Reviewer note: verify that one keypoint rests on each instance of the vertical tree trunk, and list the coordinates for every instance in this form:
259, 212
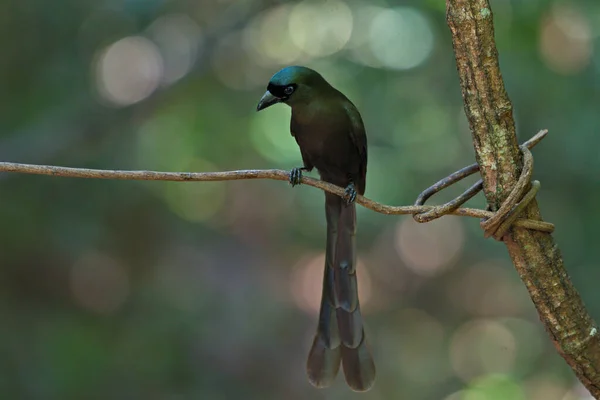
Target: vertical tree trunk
535, 255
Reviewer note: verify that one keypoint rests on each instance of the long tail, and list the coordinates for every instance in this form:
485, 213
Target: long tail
340, 334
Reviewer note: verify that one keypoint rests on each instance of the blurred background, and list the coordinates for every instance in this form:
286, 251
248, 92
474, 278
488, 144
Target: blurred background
154, 290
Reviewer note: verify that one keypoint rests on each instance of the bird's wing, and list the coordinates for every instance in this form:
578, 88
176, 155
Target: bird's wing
357, 134
294, 128
358, 137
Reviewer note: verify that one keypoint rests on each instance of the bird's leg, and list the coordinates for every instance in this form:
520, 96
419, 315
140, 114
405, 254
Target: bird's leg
296, 175
349, 194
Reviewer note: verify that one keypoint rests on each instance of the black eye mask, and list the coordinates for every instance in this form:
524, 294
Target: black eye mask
279, 90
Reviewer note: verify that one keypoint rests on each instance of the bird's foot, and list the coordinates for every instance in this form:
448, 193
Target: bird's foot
349, 194
296, 176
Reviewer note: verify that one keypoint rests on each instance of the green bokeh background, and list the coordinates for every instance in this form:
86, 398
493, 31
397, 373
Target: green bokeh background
154, 290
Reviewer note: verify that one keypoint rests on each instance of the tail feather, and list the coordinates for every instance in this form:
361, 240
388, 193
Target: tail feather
344, 276
323, 363
325, 354
359, 368
350, 326
340, 334
345, 288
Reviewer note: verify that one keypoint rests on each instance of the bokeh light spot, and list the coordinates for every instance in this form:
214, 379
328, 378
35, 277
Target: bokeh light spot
179, 38
401, 38
267, 38
320, 29
429, 248
359, 44
128, 71
566, 40
99, 283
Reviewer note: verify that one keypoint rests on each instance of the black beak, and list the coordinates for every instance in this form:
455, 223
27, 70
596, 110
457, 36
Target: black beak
267, 100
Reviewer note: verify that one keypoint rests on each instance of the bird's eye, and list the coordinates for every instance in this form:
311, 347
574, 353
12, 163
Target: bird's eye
288, 90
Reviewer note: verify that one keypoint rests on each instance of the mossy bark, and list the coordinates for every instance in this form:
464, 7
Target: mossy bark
536, 257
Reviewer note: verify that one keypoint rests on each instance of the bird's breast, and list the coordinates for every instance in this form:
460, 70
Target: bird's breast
311, 142
321, 132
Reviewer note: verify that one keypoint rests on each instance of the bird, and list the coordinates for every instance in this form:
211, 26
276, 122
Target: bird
331, 136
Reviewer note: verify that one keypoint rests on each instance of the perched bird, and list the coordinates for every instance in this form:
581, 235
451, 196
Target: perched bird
330, 133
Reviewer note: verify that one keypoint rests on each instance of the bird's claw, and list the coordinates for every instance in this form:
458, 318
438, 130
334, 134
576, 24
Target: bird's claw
350, 194
296, 176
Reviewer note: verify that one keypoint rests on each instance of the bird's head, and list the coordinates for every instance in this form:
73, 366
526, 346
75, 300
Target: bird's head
292, 85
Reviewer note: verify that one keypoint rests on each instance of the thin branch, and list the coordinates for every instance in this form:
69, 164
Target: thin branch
273, 174
536, 257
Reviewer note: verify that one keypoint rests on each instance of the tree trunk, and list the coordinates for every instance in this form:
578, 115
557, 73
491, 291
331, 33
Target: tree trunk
535, 255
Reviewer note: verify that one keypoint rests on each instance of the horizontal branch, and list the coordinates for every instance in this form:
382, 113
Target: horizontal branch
273, 174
